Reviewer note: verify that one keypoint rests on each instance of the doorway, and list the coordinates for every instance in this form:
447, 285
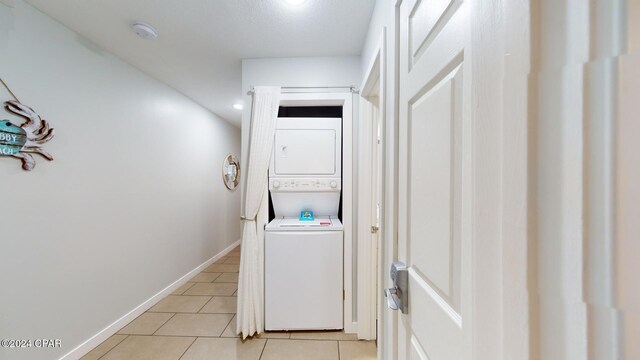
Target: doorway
370, 197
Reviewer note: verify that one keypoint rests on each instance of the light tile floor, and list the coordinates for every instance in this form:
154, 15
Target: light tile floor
197, 322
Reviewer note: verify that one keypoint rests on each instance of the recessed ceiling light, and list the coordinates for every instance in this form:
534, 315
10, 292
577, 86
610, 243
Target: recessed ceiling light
295, 2
237, 106
145, 31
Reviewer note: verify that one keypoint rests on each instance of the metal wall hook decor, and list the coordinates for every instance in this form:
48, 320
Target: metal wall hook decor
22, 141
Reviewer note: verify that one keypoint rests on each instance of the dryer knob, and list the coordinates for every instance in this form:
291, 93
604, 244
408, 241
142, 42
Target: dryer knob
276, 184
334, 184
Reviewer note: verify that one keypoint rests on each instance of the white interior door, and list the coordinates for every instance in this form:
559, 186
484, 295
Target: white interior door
433, 180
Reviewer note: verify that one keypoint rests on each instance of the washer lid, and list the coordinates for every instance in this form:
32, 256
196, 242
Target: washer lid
320, 223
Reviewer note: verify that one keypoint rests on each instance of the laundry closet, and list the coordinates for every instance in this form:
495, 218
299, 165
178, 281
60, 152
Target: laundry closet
304, 264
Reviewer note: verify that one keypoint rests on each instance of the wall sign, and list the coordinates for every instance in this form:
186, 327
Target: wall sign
26, 139
12, 138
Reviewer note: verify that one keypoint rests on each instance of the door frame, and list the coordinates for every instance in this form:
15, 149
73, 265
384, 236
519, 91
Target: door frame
586, 117
369, 257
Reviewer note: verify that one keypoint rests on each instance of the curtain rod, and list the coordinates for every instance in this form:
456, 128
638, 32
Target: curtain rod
351, 88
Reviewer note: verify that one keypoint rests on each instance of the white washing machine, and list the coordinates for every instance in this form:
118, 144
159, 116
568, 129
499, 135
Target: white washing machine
303, 274
304, 259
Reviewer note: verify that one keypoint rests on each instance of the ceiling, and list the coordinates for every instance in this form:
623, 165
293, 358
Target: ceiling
201, 42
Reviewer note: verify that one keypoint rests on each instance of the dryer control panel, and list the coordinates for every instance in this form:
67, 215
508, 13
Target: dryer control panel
304, 184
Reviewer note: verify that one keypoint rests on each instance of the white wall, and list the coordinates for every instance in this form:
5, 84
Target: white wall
383, 16
133, 201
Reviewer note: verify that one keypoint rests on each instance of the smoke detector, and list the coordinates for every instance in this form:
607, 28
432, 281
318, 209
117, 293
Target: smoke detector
145, 31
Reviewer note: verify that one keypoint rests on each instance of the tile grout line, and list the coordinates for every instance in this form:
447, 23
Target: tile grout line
171, 312
225, 313
215, 278
129, 323
231, 295
339, 355
263, 348
180, 336
105, 354
225, 328
310, 339
202, 307
185, 290
196, 295
205, 305
158, 329
188, 347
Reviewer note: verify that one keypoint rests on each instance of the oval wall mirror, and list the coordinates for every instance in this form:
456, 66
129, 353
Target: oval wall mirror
231, 172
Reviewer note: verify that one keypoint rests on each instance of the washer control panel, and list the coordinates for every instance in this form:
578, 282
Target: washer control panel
305, 184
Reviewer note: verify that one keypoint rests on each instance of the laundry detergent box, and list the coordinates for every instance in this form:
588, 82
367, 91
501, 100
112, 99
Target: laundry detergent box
306, 215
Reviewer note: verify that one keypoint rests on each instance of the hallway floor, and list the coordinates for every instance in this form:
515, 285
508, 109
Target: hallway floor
197, 321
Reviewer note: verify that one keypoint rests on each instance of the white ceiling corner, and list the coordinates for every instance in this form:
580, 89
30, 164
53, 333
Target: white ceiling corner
202, 42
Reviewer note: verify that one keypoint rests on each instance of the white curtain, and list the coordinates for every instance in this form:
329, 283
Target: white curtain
264, 112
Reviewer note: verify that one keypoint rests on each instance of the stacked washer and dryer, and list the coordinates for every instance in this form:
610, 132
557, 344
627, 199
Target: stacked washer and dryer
304, 258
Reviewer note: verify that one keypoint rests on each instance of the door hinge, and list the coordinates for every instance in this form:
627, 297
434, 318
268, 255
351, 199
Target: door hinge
343, 294
374, 229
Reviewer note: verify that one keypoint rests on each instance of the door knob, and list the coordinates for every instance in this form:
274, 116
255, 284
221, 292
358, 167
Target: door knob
392, 298
398, 295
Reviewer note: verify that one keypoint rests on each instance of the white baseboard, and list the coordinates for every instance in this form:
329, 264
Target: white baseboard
107, 332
